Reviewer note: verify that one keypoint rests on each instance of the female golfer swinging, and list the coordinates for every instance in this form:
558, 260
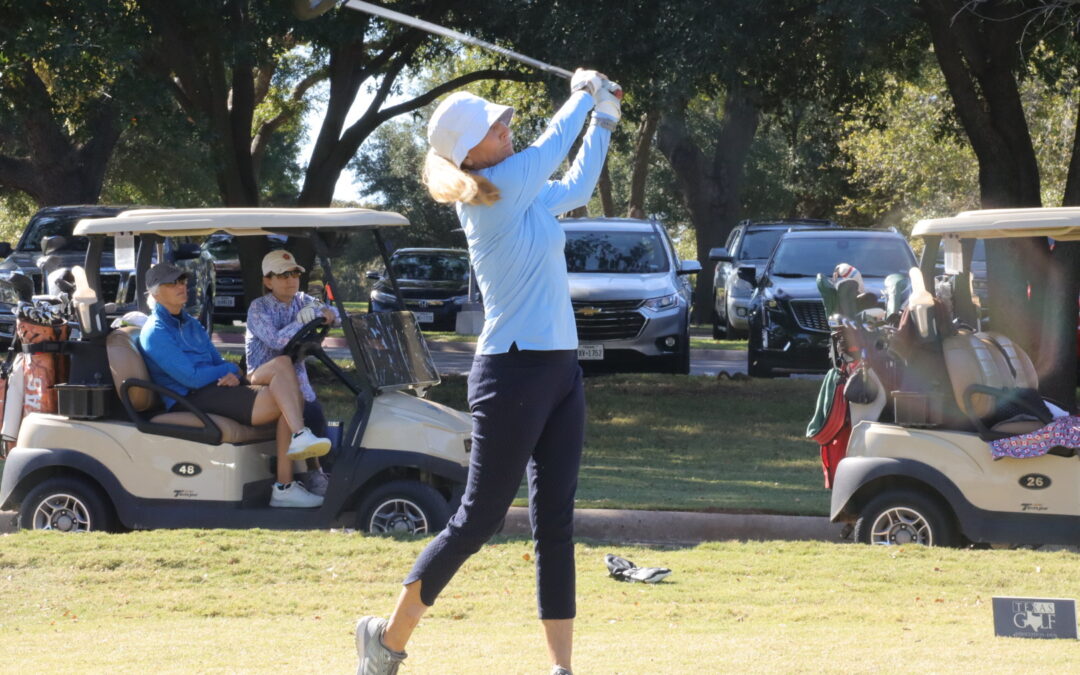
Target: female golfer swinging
525, 390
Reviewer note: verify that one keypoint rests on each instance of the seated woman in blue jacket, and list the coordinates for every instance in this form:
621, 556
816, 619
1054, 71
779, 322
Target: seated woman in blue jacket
180, 356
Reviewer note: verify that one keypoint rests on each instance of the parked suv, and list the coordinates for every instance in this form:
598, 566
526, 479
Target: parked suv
228, 293
750, 243
788, 327
53, 225
433, 281
630, 292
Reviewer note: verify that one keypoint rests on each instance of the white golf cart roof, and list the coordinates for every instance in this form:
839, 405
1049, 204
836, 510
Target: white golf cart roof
237, 221
1062, 224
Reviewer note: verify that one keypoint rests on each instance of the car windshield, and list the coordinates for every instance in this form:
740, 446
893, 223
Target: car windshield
758, 244
221, 248
872, 256
430, 267
49, 226
615, 252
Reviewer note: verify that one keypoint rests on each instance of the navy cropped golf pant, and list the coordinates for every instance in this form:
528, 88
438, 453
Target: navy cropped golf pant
528, 410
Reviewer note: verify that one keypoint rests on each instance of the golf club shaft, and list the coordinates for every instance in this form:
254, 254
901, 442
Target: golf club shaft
398, 17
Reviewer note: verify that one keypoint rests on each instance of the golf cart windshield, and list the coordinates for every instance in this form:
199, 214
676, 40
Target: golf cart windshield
873, 256
394, 352
615, 252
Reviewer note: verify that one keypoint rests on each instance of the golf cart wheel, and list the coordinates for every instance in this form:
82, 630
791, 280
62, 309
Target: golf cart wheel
900, 517
403, 506
65, 505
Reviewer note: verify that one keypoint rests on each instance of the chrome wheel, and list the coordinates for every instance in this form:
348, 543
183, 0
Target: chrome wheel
901, 525
62, 512
398, 515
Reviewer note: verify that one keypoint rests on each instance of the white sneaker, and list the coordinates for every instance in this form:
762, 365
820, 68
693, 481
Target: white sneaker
293, 496
316, 482
305, 444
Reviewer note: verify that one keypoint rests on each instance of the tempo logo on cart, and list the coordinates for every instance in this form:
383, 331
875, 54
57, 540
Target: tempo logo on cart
1035, 618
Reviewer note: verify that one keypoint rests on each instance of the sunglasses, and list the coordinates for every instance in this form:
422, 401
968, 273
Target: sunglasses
181, 281
294, 274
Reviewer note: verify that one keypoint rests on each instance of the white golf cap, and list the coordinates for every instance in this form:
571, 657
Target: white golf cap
460, 122
279, 262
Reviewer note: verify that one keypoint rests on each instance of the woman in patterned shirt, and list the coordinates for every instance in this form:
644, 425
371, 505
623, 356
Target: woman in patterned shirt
272, 320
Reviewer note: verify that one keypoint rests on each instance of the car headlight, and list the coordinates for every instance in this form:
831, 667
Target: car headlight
459, 299
383, 297
664, 302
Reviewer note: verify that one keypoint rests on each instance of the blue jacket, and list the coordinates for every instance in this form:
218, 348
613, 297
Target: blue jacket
179, 353
517, 245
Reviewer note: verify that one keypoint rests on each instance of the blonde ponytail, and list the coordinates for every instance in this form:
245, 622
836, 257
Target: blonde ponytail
447, 183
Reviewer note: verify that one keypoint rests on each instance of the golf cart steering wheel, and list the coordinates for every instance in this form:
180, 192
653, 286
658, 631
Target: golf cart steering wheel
311, 334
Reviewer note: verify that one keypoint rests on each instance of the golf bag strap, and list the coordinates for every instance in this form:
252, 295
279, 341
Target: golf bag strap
46, 346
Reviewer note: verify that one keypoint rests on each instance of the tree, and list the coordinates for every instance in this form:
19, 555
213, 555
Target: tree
68, 84
770, 58
982, 49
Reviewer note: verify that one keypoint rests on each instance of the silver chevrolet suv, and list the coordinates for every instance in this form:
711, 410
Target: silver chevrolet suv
630, 292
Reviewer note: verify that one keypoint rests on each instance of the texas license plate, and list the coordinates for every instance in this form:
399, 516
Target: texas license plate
590, 352
424, 317
224, 301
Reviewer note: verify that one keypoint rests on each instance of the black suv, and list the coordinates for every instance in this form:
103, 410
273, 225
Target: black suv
788, 327
433, 281
52, 227
750, 243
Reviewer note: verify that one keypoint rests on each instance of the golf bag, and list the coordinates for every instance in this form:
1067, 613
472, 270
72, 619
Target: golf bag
37, 366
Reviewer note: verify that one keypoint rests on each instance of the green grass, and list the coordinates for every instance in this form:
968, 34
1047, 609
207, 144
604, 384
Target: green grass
682, 443
270, 602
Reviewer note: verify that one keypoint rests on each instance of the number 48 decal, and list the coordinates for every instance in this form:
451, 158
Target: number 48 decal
187, 469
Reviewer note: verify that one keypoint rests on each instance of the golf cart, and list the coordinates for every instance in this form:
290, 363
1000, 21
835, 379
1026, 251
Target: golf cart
921, 471
113, 459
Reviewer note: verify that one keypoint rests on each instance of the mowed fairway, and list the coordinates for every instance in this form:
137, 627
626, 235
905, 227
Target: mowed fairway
272, 602
681, 443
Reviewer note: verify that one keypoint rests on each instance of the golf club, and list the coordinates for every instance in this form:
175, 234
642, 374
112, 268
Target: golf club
309, 9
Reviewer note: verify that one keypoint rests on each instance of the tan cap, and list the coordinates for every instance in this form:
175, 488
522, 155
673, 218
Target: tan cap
279, 262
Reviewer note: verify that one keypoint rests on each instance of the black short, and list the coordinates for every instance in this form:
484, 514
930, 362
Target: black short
233, 402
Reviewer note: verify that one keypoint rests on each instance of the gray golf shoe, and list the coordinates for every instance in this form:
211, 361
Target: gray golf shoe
559, 670
375, 657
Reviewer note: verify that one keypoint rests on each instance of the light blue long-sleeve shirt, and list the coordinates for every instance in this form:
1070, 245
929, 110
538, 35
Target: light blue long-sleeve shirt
517, 245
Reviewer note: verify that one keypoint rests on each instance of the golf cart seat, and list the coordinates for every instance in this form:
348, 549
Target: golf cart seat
995, 384
140, 398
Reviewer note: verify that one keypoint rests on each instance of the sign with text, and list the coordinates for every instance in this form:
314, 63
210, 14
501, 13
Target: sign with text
1035, 618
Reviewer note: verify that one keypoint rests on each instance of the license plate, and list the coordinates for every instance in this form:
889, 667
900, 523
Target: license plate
224, 301
424, 317
590, 352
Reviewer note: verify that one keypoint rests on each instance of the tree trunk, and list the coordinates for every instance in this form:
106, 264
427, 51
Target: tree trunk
980, 54
607, 202
57, 170
640, 173
710, 187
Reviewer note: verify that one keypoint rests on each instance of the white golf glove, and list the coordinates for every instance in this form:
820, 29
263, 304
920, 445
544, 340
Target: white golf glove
609, 100
589, 80
307, 314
